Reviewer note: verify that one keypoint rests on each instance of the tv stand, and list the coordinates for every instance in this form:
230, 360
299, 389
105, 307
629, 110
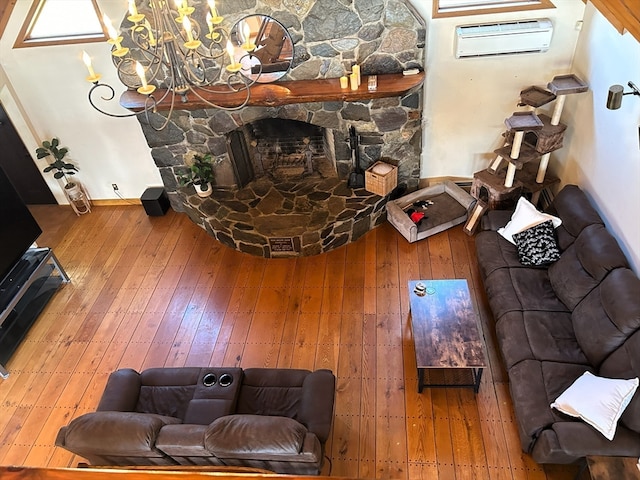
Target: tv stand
23, 295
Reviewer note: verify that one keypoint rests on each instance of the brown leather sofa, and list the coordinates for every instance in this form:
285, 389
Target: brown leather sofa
274, 419
554, 323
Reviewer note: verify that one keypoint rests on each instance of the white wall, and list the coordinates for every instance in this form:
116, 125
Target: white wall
602, 150
45, 93
467, 100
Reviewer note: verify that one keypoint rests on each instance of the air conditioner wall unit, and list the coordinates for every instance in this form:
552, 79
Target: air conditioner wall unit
505, 38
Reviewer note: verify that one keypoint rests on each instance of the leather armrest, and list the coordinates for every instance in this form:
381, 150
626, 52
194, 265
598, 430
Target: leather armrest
317, 403
121, 392
580, 440
113, 433
184, 440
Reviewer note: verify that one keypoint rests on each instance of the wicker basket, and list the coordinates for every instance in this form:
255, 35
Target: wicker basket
380, 178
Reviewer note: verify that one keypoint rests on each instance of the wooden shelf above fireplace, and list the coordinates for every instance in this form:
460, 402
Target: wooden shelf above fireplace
283, 93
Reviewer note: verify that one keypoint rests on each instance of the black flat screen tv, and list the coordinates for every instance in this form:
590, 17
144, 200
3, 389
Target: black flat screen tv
18, 228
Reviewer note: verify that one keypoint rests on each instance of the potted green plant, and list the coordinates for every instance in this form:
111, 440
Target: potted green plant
200, 174
62, 171
59, 166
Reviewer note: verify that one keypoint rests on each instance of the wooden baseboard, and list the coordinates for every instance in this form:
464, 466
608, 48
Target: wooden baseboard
427, 182
116, 202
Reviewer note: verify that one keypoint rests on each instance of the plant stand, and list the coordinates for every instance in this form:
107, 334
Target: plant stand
78, 199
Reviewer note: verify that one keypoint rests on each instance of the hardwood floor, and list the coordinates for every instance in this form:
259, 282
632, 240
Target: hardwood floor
158, 291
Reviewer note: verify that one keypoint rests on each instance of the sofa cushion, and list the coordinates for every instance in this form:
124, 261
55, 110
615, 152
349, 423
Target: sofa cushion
597, 400
520, 289
544, 336
534, 385
572, 205
494, 253
612, 309
235, 436
584, 264
537, 245
272, 391
116, 433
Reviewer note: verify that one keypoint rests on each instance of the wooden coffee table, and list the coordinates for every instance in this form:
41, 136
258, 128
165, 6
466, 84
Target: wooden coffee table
445, 331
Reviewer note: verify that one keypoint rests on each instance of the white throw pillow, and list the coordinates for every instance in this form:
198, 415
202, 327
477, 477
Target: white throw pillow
525, 216
598, 401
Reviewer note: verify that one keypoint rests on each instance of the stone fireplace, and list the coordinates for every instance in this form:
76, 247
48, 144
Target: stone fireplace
282, 169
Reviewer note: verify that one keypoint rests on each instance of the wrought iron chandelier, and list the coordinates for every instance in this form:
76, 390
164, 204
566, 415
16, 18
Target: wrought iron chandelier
166, 47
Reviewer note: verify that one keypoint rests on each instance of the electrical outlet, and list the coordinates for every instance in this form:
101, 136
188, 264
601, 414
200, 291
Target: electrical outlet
114, 186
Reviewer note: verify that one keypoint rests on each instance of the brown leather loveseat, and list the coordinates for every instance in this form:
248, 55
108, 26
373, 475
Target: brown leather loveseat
274, 419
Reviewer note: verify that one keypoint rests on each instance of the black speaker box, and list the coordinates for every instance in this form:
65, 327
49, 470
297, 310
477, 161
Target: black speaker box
155, 201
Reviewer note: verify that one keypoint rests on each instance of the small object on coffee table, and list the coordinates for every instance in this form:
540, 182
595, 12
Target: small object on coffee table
445, 332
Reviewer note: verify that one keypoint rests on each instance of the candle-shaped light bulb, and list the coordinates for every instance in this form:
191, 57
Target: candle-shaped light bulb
145, 89
230, 51
152, 39
186, 24
114, 38
113, 33
141, 74
233, 66
212, 7
87, 61
133, 10
209, 23
246, 31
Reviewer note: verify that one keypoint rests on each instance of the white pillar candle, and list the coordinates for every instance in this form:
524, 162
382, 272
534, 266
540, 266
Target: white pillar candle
354, 81
356, 69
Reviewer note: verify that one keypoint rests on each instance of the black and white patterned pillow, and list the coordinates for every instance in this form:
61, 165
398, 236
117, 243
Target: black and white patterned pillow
537, 245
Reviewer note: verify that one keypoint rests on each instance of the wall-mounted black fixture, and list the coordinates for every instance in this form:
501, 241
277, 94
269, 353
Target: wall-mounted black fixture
616, 92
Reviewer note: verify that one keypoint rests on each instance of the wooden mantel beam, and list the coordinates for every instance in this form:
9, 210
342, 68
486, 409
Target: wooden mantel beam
283, 93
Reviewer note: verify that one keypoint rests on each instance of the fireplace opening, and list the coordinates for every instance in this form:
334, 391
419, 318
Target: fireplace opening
282, 150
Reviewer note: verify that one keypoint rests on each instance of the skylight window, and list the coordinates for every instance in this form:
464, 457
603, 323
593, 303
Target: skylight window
53, 22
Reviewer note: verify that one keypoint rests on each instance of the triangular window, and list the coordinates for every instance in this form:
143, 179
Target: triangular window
58, 22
